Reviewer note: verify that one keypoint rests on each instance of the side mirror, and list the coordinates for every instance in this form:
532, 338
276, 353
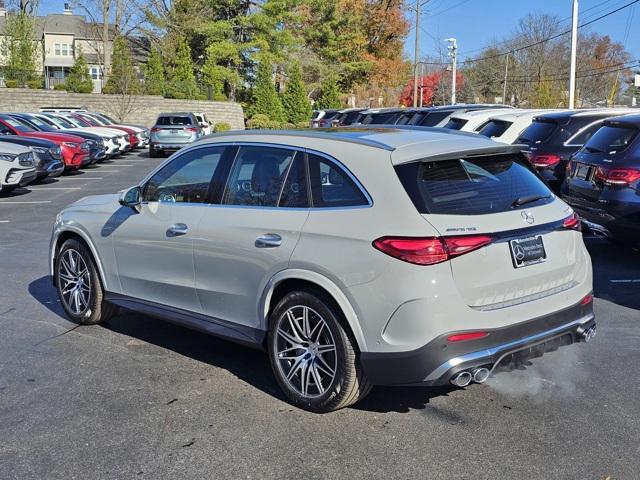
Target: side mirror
131, 198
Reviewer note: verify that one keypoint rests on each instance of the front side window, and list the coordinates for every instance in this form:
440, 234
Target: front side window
331, 186
257, 176
187, 179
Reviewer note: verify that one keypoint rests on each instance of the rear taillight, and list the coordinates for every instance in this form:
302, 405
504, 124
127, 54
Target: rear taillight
463, 337
155, 129
572, 222
430, 250
587, 300
192, 129
544, 160
617, 176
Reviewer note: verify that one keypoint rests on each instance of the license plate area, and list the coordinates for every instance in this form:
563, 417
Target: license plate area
527, 251
583, 172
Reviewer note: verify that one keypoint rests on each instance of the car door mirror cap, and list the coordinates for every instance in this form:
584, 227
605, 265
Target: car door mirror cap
131, 198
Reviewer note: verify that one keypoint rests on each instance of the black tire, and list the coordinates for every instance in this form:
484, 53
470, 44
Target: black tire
152, 153
96, 310
349, 383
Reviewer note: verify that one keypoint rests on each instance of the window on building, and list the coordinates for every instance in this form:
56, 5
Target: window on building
63, 49
95, 72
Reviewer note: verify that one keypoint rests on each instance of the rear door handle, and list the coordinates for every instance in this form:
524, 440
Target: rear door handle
177, 229
268, 240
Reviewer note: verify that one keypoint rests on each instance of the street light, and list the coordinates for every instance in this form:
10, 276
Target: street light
453, 48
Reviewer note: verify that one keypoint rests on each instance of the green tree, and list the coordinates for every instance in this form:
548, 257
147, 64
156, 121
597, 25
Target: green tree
182, 81
154, 81
123, 79
18, 42
330, 96
294, 100
79, 79
265, 98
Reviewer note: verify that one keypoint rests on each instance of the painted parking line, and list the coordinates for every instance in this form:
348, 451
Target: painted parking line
124, 165
53, 188
632, 280
108, 171
2, 202
89, 178
4, 221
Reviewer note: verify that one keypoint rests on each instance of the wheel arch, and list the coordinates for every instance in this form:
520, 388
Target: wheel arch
290, 280
74, 232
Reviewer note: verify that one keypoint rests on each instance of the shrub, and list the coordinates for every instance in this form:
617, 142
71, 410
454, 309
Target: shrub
60, 86
302, 125
221, 127
258, 121
11, 83
35, 84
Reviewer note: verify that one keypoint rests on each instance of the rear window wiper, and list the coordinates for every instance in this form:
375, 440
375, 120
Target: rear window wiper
518, 202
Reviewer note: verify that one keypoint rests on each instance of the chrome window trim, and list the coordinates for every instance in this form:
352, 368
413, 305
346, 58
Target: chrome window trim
567, 144
337, 162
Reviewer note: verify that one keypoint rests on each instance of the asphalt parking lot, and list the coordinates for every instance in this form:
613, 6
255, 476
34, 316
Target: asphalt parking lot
139, 398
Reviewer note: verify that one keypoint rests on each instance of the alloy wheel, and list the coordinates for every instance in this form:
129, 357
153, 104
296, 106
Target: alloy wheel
75, 281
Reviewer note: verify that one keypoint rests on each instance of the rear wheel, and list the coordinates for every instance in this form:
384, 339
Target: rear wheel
152, 153
79, 286
313, 355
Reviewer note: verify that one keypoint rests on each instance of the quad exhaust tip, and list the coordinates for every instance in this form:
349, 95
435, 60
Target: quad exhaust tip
462, 379
589, 333
480, 375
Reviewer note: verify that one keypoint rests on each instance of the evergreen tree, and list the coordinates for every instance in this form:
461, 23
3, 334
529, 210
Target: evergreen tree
18, 42
294, 100
154, 81
330, 96
123, 79
182, 81
79, 79
265, 98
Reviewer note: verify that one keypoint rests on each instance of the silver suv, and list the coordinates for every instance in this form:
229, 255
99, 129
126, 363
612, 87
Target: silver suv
172, 131
355, 257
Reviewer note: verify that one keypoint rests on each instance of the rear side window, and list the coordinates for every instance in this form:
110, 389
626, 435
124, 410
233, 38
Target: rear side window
537, 132
331, 186
434, 118
471, 186
455, 123
350, 118
381, 118
494, 128
584, 135
610, 139
173, 121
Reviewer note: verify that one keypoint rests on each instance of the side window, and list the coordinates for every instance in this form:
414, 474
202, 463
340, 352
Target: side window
331, 186
186, 179
294, 192
5, 130
257, 176
585, 135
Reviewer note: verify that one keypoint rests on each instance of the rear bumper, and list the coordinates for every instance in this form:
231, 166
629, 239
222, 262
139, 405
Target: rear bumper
439, 361
168, 146
611, 218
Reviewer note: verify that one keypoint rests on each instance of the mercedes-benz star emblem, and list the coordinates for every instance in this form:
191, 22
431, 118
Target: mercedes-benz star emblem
518, 252
527, 217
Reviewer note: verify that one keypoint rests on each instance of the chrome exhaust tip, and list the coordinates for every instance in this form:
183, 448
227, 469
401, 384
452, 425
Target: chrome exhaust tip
480, 375
588, 334
462, 379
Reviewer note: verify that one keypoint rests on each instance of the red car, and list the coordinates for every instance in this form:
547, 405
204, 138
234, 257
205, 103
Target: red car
75, 150
91, 122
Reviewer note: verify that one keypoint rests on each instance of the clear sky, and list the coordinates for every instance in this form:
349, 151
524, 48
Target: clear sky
474, 23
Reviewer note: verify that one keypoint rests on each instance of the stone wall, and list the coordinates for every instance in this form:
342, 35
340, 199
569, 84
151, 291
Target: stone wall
142, 109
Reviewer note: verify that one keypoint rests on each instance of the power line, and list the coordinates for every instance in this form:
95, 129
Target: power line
545, 80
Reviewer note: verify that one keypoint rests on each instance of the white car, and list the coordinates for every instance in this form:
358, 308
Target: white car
119, 137
204, 122
17, 166
506, 128
471, 121
141, 132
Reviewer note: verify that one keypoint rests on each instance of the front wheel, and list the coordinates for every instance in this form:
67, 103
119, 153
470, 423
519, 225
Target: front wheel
313, 355
79, 286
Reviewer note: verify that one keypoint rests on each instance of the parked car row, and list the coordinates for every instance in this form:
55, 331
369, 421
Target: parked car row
48, 143
591, 157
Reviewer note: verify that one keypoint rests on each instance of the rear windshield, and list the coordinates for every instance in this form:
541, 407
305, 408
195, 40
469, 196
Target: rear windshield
434, 118
494, 128
330, 115
537, 132
386, 118
455, 123
350, 118
315, 114
609, 139
472, 186
173, 121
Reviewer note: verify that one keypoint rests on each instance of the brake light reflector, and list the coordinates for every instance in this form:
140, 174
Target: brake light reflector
617, 176
587, 300
463, 337
572, 222
544, 160
430, 250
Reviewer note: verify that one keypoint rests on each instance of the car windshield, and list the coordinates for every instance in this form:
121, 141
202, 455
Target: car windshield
494, 128
472, 186
537, 132
66, 122
22, 127
173, 121
611, 139
40, 124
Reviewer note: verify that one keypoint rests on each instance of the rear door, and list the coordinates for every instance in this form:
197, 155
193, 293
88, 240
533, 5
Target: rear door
174, 129
529, 255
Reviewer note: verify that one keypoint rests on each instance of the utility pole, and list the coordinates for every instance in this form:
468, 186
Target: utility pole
574, 46
504, 85
421, 84
453, 48
416, 54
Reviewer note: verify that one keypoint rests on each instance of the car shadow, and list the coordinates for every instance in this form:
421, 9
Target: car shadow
616, 277
44, 292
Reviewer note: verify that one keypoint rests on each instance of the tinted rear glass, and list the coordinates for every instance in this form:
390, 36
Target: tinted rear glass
537, 132
173, 121
386, 118
471, 186
350, 118
434, 118
455, 123
611, 139
494, 128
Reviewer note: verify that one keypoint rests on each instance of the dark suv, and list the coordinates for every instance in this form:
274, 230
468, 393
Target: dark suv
552, 138
603, 180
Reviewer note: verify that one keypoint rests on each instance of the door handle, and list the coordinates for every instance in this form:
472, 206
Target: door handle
177, 229
268, 240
